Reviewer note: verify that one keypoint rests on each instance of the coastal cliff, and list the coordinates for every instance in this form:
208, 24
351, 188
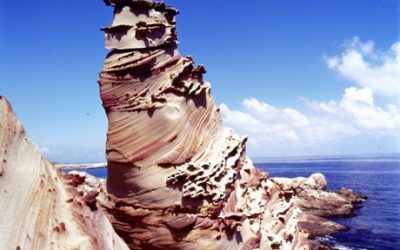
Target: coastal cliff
177, 179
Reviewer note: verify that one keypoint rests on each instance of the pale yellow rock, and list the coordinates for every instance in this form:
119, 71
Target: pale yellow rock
39, 209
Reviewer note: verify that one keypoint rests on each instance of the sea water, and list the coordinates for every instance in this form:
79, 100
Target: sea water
376, 226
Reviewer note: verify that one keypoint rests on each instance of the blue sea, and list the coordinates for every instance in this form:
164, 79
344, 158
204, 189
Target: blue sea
376, 225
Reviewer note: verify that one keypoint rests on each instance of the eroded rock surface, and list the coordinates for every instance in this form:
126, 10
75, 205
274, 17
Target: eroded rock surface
41, 208
177, 178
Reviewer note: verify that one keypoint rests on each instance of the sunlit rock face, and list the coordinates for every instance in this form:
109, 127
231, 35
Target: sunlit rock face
177, 178
41, 208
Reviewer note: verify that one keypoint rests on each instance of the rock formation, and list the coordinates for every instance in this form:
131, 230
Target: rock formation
177, 178
41, 207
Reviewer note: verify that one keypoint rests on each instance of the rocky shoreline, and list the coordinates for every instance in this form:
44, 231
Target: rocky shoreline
177, 178
78, 210
83, 166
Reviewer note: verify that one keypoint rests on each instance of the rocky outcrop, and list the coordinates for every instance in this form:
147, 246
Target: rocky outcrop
41, 207
177, 178
310, 195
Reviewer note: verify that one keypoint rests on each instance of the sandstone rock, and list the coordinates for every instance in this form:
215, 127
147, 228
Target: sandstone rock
41, 207
177, 178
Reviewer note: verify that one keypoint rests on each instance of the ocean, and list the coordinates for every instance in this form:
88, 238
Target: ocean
376, 225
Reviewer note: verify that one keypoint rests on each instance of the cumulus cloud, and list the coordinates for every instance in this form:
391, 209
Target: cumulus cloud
344, 122
332, 122
366, 66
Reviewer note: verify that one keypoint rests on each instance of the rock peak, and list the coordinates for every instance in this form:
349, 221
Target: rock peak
180, 179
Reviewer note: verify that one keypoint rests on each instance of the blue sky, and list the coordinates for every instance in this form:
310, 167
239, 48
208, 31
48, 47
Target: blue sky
272, 64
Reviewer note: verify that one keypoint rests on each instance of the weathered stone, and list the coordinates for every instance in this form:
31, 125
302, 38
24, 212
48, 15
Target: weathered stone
41, 207
177, 178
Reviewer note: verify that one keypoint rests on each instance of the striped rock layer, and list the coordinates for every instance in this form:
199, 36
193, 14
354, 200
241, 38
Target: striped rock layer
177, 178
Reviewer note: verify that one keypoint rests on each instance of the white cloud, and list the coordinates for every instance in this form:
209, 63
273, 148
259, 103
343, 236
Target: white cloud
362, 64
63, 154
48, 152
324, 123
351, 124
44, 150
